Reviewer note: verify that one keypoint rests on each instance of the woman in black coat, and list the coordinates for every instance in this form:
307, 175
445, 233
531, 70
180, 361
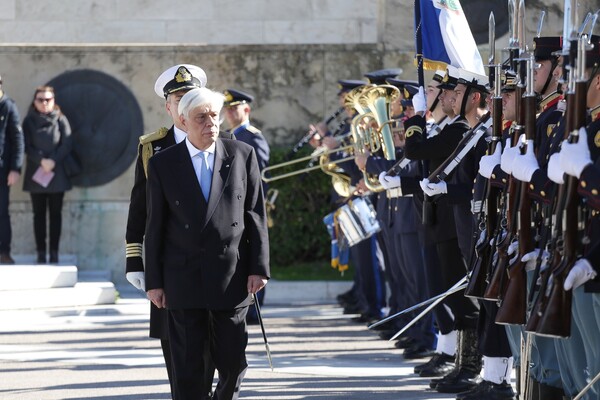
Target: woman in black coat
47, 142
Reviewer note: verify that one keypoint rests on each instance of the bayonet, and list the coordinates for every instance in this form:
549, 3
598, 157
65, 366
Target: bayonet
541, 23
492, 39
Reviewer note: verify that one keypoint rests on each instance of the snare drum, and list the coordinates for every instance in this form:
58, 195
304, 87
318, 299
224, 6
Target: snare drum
357, 220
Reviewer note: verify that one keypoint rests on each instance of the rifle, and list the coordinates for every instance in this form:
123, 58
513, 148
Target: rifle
555, 320
480, 267
513, 309
495, 288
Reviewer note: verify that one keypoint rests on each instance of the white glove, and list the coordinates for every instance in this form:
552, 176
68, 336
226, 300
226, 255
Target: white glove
508, 157
574, 157
420, 101
581, 272
389, 182
512, 251
525, 165
433, 189
530, 260
137, 279
555, 172
488, 163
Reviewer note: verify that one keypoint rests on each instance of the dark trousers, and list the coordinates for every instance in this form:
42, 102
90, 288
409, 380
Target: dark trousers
42, 204
5, 230
453, 269
368, 259
191, 332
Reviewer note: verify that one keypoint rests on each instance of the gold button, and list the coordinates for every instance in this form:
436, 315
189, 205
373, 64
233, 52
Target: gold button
531, 186
503, 180
583, 184
543, 193
493, 176
594, 192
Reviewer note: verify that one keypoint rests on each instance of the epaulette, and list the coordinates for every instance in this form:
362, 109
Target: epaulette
146, 143
151, 137
253, 129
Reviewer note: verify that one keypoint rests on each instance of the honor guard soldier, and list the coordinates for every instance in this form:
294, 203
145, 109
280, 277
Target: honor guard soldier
237, 114
438, 216
171, 85
581, 160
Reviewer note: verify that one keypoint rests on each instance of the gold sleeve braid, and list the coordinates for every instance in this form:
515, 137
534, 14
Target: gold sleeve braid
133, 250
413, 129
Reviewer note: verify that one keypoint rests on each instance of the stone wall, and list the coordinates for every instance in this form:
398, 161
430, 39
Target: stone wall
288, 54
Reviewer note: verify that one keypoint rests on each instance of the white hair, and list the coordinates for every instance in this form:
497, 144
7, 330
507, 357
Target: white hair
200, 97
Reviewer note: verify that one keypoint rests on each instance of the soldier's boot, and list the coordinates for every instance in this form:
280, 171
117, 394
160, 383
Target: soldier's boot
469, 365
547, 392
451, 374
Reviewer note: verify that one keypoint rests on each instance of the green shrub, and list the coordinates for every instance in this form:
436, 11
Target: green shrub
298, 234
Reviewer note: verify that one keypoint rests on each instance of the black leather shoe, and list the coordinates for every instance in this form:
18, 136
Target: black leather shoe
439, 365
352, 309
417, 351
387, 335
450, 376
41, 257
465, 380
53, 257
487, 390
366, 318
5, 258
404, 342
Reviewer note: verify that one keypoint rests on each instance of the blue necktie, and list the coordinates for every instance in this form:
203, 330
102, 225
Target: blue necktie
205, 175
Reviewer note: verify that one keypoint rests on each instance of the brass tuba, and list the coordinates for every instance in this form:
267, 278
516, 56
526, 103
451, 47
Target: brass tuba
378, 99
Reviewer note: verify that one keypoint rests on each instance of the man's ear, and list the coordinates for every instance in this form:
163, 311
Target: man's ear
182, 120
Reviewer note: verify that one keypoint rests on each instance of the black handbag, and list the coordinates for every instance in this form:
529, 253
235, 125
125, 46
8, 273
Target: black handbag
72, 165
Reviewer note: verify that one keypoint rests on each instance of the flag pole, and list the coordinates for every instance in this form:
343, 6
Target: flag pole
419, 43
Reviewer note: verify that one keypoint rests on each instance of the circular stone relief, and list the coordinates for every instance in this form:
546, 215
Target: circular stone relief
106, 122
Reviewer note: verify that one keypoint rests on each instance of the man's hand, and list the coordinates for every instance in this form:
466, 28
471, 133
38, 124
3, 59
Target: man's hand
361, 160
574, 157
13, 178
420, 102
256, 282
530, 260
137, 279
555, 172
330, 142
157, 297
361, 188
488, 163
389, 182
581, 272
508, 157
525, 165
433, 189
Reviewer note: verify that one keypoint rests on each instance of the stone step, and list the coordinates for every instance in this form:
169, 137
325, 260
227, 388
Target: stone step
293, 292
28, 277
82, 294
30, 259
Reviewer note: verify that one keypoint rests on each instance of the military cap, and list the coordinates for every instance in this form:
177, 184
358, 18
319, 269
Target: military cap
179, 77
472, 79
379, 77
233, 97
346, 85
592, 56
450, 79
545, 48
439, 75
409, 92
509, 81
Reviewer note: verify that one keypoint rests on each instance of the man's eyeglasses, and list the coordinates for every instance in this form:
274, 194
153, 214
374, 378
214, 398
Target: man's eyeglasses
44, 99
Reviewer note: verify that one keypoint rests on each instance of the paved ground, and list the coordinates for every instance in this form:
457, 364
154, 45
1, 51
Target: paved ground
104, 353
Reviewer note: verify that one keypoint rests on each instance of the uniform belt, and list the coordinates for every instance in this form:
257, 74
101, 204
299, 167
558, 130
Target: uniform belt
395, 192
